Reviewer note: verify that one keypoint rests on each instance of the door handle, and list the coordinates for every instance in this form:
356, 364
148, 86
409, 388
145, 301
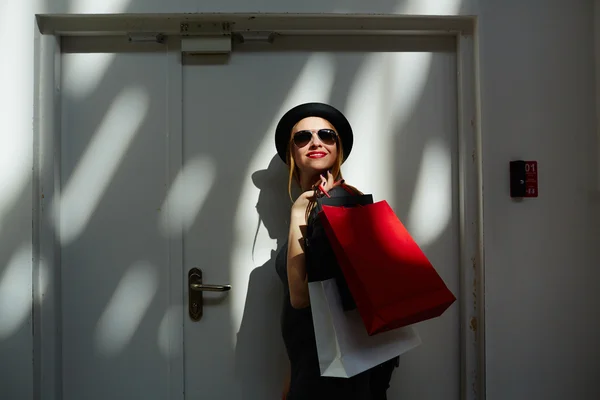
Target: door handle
209, 288
196, 287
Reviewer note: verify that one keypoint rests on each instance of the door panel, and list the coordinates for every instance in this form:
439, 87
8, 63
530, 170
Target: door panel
120, 245
115, 261
403, 109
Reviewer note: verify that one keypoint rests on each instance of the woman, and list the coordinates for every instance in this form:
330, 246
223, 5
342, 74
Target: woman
314, 140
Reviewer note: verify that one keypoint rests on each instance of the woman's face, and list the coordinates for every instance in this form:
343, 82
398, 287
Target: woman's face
315, 152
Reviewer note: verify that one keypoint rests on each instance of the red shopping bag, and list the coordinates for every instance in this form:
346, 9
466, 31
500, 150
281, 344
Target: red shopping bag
390, 278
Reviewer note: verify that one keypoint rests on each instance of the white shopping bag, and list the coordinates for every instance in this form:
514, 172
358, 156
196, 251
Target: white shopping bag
343, 345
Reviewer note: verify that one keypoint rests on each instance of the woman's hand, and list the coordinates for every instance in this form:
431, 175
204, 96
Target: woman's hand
327, 183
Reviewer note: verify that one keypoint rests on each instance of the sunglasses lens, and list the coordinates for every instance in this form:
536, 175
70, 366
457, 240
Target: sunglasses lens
327, 136
302, 138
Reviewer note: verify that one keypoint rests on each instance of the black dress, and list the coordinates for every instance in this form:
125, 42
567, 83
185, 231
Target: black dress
299, 338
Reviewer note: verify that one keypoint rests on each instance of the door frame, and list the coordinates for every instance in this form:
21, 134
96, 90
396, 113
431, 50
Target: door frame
47, 131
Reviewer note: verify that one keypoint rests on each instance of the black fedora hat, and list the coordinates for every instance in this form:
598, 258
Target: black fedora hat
325, 111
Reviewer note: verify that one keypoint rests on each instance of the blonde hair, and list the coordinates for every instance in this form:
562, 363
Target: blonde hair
294, 173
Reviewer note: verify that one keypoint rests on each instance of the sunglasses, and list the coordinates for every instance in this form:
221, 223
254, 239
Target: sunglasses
326, 136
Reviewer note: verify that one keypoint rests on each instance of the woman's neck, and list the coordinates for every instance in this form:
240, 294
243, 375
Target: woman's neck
309, 182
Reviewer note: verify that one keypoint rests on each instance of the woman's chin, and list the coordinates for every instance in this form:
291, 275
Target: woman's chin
318, 165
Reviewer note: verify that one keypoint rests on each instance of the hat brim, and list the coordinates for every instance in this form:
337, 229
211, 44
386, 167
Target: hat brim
325, 111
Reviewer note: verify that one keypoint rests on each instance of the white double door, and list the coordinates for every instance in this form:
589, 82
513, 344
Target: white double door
168, 166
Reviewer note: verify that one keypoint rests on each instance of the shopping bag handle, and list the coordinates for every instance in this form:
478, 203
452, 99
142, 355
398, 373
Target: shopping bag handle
322, 189
339, 183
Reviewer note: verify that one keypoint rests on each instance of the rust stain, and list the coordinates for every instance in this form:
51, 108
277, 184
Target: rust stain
473, 324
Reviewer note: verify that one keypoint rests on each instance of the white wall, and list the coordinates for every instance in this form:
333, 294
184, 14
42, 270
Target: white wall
16, 144
541, 255
542, 275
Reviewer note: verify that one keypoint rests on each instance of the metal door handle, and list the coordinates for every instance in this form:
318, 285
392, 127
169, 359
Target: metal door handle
196, 287
209, 288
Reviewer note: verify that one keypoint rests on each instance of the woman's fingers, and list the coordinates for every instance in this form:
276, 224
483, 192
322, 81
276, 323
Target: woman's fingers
330, 181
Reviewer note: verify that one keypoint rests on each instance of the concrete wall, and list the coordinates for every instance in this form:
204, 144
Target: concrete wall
542, 276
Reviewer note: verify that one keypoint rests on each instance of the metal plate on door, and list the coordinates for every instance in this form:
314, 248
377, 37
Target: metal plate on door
196, 287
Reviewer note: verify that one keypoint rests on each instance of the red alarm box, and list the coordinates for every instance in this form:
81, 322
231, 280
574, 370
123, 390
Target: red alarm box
523, 178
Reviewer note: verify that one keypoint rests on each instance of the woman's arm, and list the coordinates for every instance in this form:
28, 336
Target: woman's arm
296, 261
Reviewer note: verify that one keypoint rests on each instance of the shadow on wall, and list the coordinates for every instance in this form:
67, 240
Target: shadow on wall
15, 296
262, 378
